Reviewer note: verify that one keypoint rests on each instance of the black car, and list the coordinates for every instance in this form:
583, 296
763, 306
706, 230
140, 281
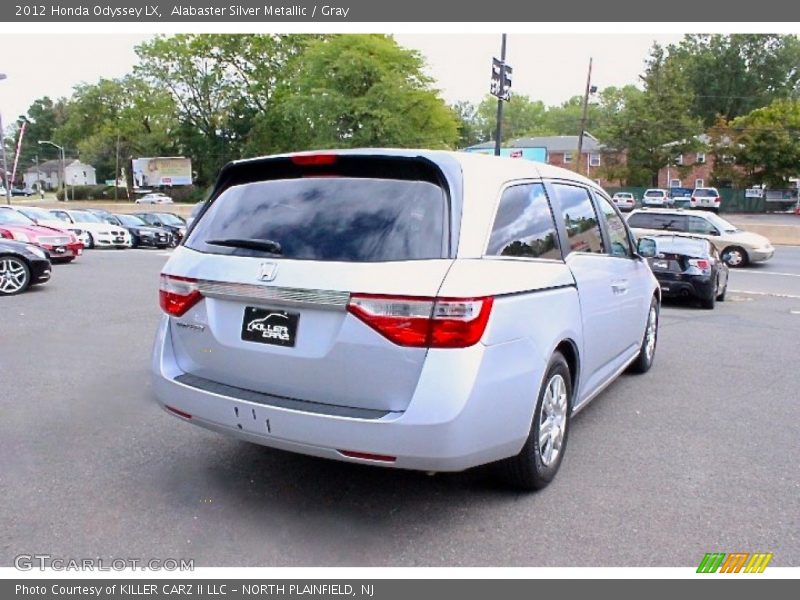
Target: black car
21, 192
21, 266
687, 267
172, 223
142, 234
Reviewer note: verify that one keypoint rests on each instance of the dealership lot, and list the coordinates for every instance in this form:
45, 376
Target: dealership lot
699, 455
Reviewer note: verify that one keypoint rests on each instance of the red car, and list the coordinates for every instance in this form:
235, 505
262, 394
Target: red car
62, 245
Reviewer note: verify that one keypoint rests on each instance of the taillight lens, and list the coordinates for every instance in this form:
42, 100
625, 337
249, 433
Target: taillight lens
701, 264
314, 160
176, 295
424, 322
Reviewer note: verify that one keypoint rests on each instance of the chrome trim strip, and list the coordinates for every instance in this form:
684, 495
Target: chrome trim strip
601, 388
327, 299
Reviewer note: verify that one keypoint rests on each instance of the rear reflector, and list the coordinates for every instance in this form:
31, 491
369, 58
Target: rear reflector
367, 456
176, 295
424, 322
180, 413
314, 160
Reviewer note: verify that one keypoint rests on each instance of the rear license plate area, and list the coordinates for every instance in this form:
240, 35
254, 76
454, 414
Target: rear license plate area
270, 326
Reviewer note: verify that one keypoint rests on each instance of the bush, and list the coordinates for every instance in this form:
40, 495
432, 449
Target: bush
190, 194
87, 192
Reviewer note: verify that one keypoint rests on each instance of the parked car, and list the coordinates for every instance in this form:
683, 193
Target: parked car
736, 247
169, 221
99, 234
687, 267
21, 266
656, 197
141, 233
62, 246
40, 216
154, 198
680, 197
403, 308
706, 198
21, 192
624, 201
104, 215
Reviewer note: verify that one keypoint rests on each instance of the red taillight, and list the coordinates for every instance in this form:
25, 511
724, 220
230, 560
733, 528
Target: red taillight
700, 263
367, 456
176, 294
424, 322
6, 234
314, 160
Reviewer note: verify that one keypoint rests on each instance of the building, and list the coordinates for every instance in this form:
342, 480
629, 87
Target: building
48, 174
562, 151
694, 169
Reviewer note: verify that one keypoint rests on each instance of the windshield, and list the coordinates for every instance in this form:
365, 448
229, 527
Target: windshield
80, 216
131, 221
721, 223
12, 217
170, 219
37, 214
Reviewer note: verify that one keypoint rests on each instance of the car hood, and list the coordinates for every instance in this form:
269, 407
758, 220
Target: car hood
33, 230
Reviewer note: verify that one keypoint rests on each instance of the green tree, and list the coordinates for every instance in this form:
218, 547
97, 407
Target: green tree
44, 117
521, 117
468, 130
731, 75
766, 143
355, 91
654, 126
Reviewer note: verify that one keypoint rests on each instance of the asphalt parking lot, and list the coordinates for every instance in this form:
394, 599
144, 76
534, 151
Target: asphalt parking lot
699, 455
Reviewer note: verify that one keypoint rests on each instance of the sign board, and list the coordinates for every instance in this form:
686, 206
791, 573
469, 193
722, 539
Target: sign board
754, 192
780, 195
501, 80
515, 154
162, 171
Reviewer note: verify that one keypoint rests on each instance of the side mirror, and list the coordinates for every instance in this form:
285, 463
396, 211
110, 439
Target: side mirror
713, 232
157, 224
646, 248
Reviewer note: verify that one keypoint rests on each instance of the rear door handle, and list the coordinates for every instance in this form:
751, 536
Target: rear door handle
620, 286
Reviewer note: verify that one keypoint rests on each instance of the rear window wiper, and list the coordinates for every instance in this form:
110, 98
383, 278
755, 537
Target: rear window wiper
270, 246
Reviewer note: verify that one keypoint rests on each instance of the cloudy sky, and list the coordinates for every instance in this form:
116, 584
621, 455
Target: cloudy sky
549, 67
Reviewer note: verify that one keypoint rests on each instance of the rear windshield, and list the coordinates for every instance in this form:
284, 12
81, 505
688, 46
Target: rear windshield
705, 192
348, 219
681, 245
654, 194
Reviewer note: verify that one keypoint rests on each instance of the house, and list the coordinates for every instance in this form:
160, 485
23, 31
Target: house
562, 151
692, 169
48, 174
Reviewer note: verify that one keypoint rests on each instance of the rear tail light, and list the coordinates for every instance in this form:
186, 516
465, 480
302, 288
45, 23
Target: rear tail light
176, 295
700, 263
424, 322
314, 160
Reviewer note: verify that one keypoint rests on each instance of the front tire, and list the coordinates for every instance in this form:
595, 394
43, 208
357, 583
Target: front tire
735, 257
647, 350
15, 275
537, 463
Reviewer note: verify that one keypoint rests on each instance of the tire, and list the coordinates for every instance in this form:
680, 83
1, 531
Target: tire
537, 463
734, 257
644, 360
89, 241
134, 242
15, 275
721, 296
161, 247
709, 303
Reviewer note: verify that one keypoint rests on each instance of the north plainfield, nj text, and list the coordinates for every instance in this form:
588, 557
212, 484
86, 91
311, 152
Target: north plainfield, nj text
268, 10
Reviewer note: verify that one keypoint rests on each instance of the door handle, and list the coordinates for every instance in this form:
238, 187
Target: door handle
620, 286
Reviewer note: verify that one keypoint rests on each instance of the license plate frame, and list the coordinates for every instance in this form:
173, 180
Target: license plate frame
270, 326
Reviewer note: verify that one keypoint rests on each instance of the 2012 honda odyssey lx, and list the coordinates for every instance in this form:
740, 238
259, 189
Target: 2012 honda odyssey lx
414, 309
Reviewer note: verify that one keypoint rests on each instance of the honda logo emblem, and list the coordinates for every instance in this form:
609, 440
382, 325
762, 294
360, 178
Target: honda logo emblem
268, 271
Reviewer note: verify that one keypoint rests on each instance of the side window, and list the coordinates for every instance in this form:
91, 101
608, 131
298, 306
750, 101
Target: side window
641, 220
580, 219
61, 215
524, 224
617, 234
701, 226
669, 222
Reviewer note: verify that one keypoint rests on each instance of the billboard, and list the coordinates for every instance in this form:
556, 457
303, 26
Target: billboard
162, 171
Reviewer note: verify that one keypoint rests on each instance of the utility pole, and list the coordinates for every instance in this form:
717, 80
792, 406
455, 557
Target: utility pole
498, 134
584, 116
116, 172
6, 185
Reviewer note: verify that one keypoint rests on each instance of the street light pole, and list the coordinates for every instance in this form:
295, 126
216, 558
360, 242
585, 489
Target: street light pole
63, 166
498, 134
583, 117
5, 162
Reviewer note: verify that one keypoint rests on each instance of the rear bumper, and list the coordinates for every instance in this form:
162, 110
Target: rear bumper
471, 407
696, 287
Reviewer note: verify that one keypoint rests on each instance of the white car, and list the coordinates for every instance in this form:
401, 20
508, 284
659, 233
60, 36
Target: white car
706, 198
656, 197
154, 199
624, 200
403, 308
99, 234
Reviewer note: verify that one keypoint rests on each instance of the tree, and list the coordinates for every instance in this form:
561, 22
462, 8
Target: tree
359, 91
731, 75
767, 143
466, 114
44, 117
654, 126
521, 117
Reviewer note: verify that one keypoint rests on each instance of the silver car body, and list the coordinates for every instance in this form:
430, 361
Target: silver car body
346, 392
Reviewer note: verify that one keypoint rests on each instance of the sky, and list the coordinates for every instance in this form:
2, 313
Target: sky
547, 67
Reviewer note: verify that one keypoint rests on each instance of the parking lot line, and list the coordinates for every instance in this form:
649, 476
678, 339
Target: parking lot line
754, 272
773, 294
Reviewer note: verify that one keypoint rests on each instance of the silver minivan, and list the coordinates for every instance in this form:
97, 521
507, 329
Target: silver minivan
412, 309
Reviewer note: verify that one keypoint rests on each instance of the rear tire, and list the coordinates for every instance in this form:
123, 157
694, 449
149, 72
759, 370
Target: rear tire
89, 241
734, 257
721, 295
537, 463
15, 275
708, 303
647, 351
